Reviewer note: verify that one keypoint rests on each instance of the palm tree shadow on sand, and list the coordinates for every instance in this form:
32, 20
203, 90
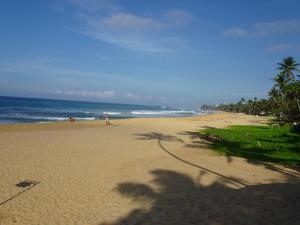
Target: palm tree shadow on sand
290, 175
178, 200
163, 137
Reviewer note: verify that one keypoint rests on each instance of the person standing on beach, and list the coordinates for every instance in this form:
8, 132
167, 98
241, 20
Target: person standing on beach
106, 119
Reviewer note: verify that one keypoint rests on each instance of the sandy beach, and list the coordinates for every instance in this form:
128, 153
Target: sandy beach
138, 171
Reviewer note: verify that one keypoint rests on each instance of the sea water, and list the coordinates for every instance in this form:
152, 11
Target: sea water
33, 110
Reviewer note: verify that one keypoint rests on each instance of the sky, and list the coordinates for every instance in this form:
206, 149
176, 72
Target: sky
160, 52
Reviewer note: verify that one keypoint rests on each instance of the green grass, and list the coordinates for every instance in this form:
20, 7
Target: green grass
263, 143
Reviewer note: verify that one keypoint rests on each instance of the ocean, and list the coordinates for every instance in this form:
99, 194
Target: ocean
33, 110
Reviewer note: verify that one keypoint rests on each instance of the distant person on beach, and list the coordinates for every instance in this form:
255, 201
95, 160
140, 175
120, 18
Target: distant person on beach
71, 119
106, 119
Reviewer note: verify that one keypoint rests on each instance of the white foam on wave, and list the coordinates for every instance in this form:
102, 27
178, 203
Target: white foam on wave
64, 118
38, 117
51, 118
112, 113
162, 112
85, 118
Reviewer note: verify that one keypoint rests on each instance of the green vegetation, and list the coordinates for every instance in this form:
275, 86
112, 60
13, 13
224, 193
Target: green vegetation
279, 144
264, 143
284, 97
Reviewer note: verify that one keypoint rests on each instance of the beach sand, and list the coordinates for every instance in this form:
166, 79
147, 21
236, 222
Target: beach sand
138, 171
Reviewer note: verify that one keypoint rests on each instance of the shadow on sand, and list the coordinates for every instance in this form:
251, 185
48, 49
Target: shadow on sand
199, 141
176, 199
291, 174
161, 137
27, 184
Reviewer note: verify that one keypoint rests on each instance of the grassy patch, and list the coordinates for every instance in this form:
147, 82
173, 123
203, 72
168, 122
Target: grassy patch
263, 143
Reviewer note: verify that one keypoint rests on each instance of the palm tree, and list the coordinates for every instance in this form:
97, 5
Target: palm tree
274, 100
250, 105
281, 84
280, 81
287, 67
273, 93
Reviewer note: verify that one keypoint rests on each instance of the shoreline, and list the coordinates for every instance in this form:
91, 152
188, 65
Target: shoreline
111, 118
95, 123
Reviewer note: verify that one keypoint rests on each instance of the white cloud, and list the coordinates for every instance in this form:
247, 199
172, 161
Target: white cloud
163, 98
39, 69
79, 93
282, 48
235, 32
104, 57
149, 97
42, 68
178, 16
278, 48
266, 28
125, 21
92, 6
277, 27
114, 25
132, 96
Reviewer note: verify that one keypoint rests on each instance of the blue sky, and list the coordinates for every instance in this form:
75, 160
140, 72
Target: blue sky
158, 52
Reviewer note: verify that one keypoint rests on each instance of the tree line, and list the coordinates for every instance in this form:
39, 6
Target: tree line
283, 99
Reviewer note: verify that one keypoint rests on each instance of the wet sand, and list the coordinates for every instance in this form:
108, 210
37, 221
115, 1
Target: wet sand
138, 171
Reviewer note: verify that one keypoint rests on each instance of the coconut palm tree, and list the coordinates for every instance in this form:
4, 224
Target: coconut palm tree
250, 106
273, 93
287, 67
280, 81
274, 99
